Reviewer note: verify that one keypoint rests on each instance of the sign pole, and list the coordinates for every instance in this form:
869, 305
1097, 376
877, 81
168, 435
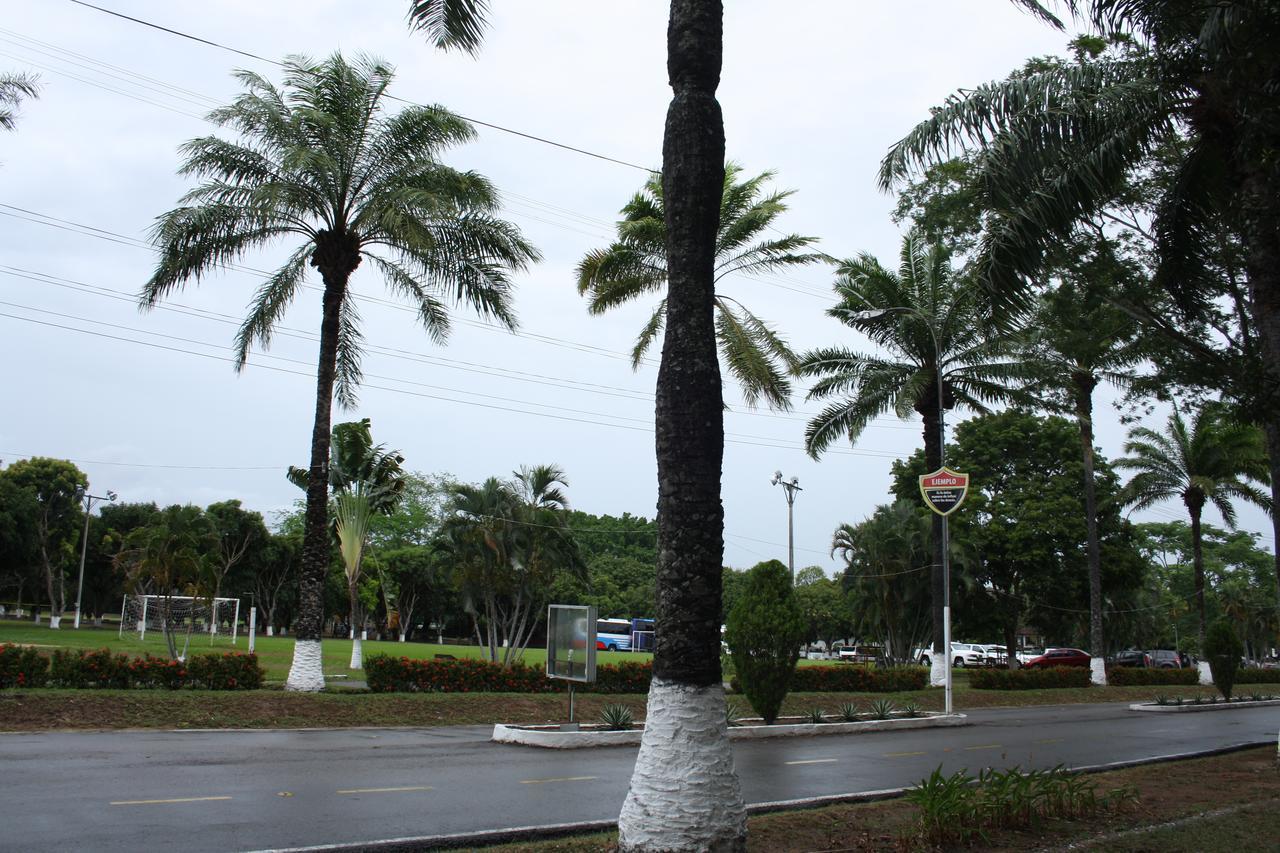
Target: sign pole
943, 492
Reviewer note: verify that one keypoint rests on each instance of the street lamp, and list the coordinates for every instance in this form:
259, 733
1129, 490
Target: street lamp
84, 544
790, 487
872, 314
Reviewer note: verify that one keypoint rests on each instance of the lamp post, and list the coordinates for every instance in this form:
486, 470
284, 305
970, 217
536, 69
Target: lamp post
942, 460
790, 487
84, 544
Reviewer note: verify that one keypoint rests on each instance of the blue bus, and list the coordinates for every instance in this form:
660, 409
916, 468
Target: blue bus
642, 635
613, 635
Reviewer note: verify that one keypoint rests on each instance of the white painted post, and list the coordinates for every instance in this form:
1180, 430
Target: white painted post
946, 632
142, 623
253, 626
123, 603
235, 624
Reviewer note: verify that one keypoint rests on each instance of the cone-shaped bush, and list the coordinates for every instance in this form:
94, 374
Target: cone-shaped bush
764, 632
1223, 649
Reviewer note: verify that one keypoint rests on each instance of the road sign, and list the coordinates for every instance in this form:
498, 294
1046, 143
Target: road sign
944, 490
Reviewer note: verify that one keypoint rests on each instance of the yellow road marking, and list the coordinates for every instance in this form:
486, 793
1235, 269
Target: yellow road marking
984, 746
901, 754
559, 779
384, 790
815, 761
158, 802
1049, 740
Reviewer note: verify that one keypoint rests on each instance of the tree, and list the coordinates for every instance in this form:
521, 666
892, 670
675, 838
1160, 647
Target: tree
172, 556
277, 570
240, 535
764, 634
418, 574
53, 488
1216, 461
824, 607
931, 322
318, 159
886, 559
13, 88
636, 265
1223, 649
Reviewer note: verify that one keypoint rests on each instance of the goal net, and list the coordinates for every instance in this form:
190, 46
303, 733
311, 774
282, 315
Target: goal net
183, 615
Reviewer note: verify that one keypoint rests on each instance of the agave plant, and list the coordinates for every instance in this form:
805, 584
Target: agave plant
849, 712
617, 718
1163, 700
816, 716
732, 713
882, 709
911, 709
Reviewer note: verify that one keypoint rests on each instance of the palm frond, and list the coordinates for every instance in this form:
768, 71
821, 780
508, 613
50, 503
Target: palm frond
451, 23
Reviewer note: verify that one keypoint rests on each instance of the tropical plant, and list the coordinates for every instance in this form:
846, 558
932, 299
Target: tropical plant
13, 88
764, 632
617, 717
636, 265
931, 322
1222, 648
816, 716
911, 709
882, 709
849, 712
318, 159
1215, 461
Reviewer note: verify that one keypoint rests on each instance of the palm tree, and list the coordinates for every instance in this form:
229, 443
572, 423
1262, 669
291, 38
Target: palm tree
1059, 141
1081, 341
1216, 462
13, 88
686, 735
636, 265
366, 480
930, 322
320, 160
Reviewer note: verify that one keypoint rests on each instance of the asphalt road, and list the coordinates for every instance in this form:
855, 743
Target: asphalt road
248, 790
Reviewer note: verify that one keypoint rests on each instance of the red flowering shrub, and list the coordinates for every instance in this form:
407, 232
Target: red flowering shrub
856, 678
1126, 676
83, 668
1029, 679
388, 674
21, 667
233, 671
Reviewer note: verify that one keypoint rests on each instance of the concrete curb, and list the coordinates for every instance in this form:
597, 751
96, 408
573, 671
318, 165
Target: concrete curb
551, 737
559, 830
1184, 709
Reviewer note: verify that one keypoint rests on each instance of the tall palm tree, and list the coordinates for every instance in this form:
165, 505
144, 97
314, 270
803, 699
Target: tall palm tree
319, 159
1216, 462
1058, 142
1081, 341
929, 321
636, 265
13, 88
686, 735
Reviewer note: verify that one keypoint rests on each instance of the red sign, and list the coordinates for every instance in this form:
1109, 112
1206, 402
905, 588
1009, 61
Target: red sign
944, 490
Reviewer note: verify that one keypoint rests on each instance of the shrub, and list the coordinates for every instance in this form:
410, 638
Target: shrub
22, 667
1130, 676
616, 718
1257, 675
148, 671
87, 668
234, 671
764, 631
388, 674
96, 668
1029, 679
858, 678
1223, 649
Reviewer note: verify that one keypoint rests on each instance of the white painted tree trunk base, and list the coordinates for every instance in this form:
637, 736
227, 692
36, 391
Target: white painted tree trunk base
684, 793
937, 670
1098, 671
306, 674
402, 638
1206, 674
55, 622
271, 631
357, 655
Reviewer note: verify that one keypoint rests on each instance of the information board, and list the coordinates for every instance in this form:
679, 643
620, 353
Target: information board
571, 642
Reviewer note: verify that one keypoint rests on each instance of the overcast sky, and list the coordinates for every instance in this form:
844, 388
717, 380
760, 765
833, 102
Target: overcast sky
149, 405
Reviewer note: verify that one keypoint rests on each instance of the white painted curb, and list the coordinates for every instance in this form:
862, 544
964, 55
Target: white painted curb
550, 737
1217, 706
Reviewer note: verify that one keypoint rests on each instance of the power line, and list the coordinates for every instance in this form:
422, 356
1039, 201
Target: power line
277, 63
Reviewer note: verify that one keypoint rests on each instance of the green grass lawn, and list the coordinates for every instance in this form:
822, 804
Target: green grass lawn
274, 653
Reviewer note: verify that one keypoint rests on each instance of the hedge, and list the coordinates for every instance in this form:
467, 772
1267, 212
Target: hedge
1257, 675
388, 674
1131, 676
1029, 679
855, 678
94, 668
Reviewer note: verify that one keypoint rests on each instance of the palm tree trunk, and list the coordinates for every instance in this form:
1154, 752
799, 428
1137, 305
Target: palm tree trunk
1272, 430
1197, 561
1084, 384
684, 793
306, 672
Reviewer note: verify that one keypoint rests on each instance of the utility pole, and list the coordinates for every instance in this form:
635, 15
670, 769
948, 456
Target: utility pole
84, 544
790, 487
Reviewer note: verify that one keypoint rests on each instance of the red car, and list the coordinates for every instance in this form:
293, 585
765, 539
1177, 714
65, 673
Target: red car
1059, 657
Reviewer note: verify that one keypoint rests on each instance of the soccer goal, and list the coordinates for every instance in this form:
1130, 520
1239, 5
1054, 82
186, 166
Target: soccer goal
180, 614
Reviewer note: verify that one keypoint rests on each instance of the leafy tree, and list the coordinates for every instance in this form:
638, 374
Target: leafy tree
276, 571
764, 633
18, 545
53, 488
931, 322
417, 515
1215, 461
887, 557
824, 607
1223, 649
419, 577
172, 556
319, 160
636, 265
13, 88
240, 534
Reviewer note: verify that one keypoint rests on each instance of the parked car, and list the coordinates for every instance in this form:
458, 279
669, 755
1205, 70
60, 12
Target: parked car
1059, 657
1025, 655
962, 655
860, 654
994, 655
1131, 657
1165, 659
